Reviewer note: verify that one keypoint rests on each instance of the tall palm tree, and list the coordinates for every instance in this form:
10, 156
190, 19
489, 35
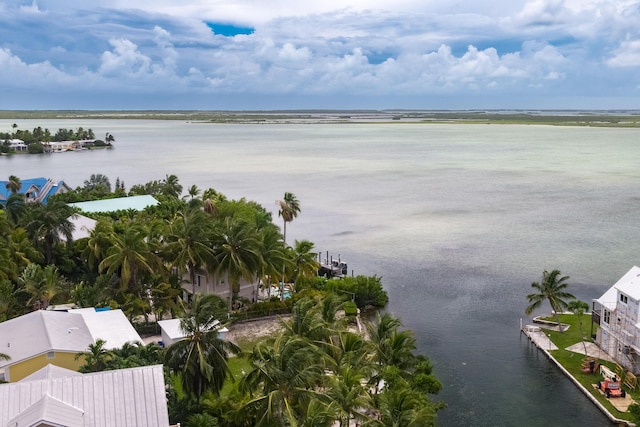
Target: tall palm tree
171, 186
273, 256
189, 243
578, 308
14, 184
49, 224
349, 394
237, 247
289, 210
551, 288
201, 357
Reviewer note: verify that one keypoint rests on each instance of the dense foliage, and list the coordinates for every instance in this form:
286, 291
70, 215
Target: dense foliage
320, 371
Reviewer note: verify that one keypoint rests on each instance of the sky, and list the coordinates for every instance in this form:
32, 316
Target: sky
292, 54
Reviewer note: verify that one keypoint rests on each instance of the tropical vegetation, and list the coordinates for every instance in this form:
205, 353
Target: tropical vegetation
321, 370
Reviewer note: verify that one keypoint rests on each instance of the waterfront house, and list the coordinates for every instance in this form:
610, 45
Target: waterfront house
35, 189
17, 145
617, 312
134, 397
55, 337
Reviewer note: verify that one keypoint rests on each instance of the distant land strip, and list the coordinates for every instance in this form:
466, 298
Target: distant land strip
599, 118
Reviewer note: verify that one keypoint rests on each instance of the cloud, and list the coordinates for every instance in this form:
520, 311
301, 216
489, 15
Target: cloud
376, 49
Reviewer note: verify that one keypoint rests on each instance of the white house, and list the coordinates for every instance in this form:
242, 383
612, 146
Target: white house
617, 312
55, 337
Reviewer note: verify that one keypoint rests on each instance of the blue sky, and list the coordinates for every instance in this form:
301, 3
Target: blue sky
348, 54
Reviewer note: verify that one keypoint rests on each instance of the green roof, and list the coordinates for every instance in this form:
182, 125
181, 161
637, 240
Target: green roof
137, 203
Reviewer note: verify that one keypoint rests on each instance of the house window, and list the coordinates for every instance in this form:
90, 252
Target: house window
199, 279
607, 316
623, 298
51, 355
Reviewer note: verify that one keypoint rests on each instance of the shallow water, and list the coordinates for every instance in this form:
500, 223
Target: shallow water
458, 219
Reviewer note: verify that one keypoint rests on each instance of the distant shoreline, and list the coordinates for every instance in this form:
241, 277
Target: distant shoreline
593, 118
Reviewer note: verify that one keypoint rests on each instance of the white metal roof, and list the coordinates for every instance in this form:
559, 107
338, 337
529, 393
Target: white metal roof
82, 226
126, 397
629, 284
49, 372
42, 331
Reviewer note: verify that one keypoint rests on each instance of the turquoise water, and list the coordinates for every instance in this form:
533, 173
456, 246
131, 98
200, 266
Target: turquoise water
457, 219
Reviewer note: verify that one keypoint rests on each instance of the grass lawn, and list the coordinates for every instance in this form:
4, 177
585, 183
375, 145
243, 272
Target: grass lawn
236, 365
572, 362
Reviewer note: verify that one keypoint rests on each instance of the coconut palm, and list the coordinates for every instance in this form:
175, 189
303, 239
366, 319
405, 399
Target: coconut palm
285, 377
289, 210
272, 254
4, 356
21, 248
404, 407
49, 224
14, 184
201, 357
578, 308
95, 357
349, 394
189, 243
42, 284
304, 262
171, 186
551, 288
94, 248
15, 207
131, 257
237, 247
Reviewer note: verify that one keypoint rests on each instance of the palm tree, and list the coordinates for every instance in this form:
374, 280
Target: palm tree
131, 256
42, 284
237, 249
201, 357
578, 308
304, 262
189, 243
272, 254
22, 250
289, 209
171, 186
49, 224
285, 376
4, 356
14, 184
349, 394
404, 407
95, 357
94, 248
551, 288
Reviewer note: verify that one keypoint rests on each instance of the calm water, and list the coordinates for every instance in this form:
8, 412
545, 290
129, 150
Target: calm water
458, 219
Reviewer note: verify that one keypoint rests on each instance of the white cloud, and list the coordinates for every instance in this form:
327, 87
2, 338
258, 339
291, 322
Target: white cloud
627, 55
378, 48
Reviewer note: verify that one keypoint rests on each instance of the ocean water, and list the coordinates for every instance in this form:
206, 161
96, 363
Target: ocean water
457, 219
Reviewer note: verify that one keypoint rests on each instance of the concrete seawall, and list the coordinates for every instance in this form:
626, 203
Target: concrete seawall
538, 337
